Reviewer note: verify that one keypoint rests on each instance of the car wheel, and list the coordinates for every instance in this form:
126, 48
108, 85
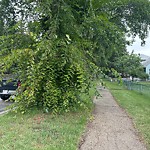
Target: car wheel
5, 97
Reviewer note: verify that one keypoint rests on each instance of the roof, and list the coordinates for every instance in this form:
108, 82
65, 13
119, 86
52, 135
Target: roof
144, 57
145, 60
146, 63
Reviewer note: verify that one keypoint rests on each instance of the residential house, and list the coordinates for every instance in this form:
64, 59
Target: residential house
146, 63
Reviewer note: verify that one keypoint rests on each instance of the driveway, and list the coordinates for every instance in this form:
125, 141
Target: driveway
3, 105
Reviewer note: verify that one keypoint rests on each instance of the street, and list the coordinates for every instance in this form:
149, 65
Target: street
4, 104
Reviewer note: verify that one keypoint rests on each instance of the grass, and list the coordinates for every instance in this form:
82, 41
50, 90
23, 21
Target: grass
41, 131
137, 106
36, 130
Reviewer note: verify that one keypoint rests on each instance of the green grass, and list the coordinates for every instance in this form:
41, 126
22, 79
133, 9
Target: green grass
36, 130
137, 106
41, 131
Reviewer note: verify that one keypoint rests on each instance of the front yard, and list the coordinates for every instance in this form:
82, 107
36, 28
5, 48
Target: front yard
41, 131
36, 130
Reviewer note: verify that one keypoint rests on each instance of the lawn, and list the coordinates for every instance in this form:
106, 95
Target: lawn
36, 130
137, 106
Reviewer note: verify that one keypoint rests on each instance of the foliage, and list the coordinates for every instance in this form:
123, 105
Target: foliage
57, 47
39, 130
130, 65
142, 75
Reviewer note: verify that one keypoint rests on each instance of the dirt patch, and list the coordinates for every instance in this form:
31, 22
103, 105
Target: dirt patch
111, 128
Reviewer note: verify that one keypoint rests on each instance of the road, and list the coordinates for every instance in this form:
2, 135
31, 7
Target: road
3, 105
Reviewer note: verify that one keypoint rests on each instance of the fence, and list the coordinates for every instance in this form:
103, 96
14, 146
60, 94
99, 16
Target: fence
144, 89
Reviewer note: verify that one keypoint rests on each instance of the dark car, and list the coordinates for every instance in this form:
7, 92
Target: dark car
7, 88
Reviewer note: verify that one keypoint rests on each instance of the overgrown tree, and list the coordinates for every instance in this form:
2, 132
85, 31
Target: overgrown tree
56, 46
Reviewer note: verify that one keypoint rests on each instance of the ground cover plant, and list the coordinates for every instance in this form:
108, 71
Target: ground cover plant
137, 106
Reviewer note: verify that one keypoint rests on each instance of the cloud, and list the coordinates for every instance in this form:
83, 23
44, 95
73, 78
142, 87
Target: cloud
140, 49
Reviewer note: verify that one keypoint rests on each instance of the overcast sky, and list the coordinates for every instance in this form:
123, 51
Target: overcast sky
140, 49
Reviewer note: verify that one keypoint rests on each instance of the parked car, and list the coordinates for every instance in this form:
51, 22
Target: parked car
8, 88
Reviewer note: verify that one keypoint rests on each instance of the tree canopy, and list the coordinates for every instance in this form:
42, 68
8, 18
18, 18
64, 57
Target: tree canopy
129, 65
56, 47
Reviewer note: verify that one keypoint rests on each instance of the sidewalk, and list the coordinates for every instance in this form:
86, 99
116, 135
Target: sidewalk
111, 128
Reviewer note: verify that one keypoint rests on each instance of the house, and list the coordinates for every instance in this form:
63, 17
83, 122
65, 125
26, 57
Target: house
146, 63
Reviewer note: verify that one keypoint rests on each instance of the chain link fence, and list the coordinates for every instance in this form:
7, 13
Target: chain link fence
144, 89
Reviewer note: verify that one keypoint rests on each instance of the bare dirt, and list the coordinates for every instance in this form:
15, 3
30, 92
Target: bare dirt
111, 129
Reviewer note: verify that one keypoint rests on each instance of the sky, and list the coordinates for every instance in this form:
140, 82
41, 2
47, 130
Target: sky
136, 46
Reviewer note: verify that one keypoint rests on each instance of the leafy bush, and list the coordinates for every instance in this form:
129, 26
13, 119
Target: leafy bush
53, 75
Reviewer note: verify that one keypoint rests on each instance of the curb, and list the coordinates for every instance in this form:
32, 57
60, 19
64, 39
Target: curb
4, 112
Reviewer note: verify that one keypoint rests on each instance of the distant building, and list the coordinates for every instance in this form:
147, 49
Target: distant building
146, 63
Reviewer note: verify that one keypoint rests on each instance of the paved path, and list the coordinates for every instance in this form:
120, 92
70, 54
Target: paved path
111, 129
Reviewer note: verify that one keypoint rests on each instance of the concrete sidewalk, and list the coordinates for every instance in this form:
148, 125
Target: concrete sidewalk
111, 128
